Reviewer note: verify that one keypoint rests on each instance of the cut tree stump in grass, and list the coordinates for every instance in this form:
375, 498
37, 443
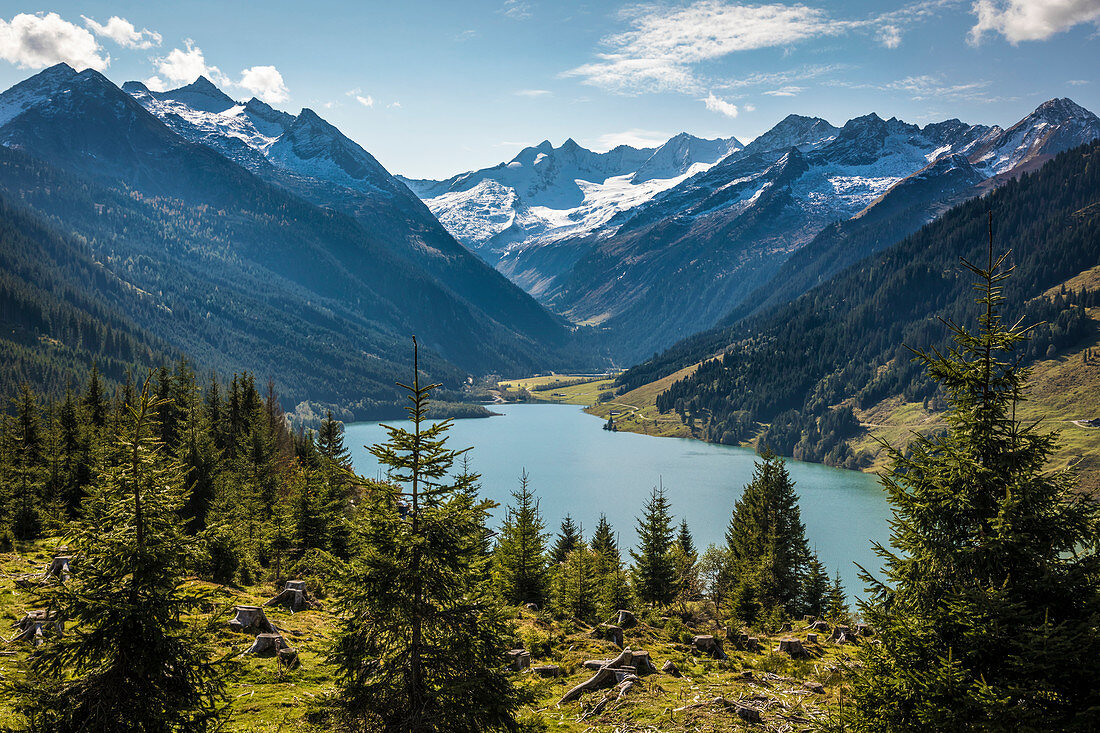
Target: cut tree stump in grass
811, 638
288, 658
624, 668
614, 634
60, 567
820, 626
251, 618
294, 596
864, 630
519, 659
708, 645
546, 670
625, 619
786, 629
33, 626
669, 667
532, 607
844, 635
793, 647
815, 687
267, 644
752, 644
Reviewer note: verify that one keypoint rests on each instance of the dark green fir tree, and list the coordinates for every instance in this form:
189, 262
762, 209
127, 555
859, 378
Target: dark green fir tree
519, 559
568, 539
420, 637
654, 570
988, 610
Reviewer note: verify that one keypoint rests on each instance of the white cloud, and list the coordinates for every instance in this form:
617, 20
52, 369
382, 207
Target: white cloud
264, 82
1030, 20
785, 91
36, 41
889, 36
394, 105
1077, 82
367, 101
658, 52
516, 9
183, 67
749, 107
634, 137
715, 104
533, 93
123, 32
927, 87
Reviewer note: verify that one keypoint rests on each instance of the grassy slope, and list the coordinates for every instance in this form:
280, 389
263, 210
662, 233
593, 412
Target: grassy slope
638, 409
265, 700
576, 394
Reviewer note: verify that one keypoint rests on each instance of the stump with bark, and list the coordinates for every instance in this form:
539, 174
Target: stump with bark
251, 618
532, 607
519, 659
820, 626
60, 567
34, 625
614, 634
267, 644
864, 630
669, 667
786, 629
546, 670
811, 638
844, 635
294, 596
623, 668
625, 619
793, 647
288, 658
708, 645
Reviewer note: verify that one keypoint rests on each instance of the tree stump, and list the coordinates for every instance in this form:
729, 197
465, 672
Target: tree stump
811, 638
267, 644
622, 673
642, 663
288, 658
60, 567
251, 618
669, 667
294, 596
546, 670
614, 634
815, 687
864, 630
709, 645
786, 629
519, 659
792, 647
626, 619
746, 674
749, 714
33, 626
752, 644
820, 626
843, 635
532, 607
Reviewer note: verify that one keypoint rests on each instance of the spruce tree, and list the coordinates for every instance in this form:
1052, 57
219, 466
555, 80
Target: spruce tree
26, 435
815, 588
603, 539
575, 584
129, 661
654, 571
519, 560
569, 539
685, 561
766, 538
420, 637
836, 602
988, 609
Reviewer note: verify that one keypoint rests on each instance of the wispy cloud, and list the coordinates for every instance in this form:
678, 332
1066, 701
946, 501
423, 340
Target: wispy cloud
36, 41
533, 93
1030, 20
516, 9
466, 35
666, 48
123, 32
721, 106
927, 87
1077, 82
787, 91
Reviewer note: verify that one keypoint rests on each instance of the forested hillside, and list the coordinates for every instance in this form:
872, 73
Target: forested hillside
800, 367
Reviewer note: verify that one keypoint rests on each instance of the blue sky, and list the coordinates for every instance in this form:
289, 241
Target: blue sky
435, 88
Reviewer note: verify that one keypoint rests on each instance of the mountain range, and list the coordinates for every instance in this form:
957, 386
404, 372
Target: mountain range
265, 241
724, 234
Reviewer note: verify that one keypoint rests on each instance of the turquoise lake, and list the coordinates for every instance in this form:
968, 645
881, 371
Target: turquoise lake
578, 468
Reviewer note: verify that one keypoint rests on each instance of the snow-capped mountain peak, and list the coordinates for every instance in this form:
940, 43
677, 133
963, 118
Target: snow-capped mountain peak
1052, 127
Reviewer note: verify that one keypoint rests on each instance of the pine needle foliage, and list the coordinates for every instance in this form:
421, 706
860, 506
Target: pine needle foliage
989, 610
420, 641
654, 570
128, 661
519, 562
